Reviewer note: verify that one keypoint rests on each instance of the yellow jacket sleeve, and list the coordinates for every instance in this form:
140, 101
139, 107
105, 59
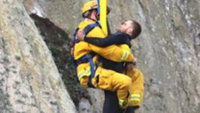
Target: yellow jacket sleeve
113, 52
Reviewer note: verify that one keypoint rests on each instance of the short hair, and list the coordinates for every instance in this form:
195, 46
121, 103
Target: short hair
136, 29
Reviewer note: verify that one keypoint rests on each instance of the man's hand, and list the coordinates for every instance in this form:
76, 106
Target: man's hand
80, 35
72, 51
130, 65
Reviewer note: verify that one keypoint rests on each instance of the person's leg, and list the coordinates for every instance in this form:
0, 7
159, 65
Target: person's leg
137, 87
123, 84
111, 103
113, 81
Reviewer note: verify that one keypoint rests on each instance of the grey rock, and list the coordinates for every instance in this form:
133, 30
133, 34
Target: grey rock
27, 67
167, 51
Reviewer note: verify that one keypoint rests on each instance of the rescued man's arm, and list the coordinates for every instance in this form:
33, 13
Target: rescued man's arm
117, 38
110, 40
113, 52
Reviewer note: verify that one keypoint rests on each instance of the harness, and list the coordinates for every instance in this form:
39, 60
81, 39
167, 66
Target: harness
86, 58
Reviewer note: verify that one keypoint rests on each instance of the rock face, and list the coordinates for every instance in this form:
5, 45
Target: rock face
29, 79
169, 55
167, 51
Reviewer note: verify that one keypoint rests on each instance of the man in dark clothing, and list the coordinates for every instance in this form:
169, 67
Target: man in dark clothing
127, 31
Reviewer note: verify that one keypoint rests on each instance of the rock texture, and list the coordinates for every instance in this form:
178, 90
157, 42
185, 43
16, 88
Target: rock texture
167, 51
169, 55
29, 79
58, 41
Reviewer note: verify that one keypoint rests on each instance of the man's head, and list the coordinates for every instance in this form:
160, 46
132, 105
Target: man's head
89, 9
131, 28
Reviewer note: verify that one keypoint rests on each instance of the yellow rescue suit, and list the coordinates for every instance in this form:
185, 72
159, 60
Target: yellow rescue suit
137, 87
103, 79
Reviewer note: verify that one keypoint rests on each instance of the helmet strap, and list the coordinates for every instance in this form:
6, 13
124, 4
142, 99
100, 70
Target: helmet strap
88, 15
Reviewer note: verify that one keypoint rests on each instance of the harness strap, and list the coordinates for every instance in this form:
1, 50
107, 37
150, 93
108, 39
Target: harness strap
98, 7
92, 66
88, 28
88, 57
92, 69
85, 59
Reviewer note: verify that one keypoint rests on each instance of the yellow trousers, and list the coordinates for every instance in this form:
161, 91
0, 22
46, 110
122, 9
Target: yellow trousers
137, 87
110, 80
132, 85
